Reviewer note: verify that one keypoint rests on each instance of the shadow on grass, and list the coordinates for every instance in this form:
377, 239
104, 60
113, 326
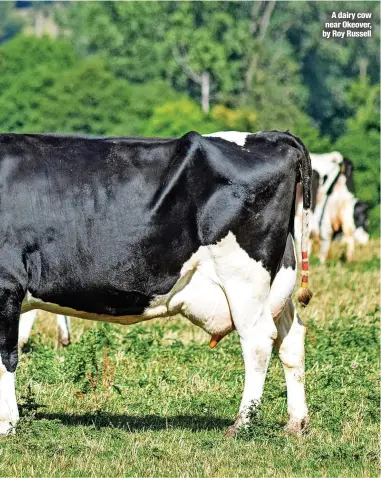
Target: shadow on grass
138, 423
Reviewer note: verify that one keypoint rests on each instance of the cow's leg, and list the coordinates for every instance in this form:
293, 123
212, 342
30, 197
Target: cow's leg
256, 329
349, 240
348, 232
63, 328
325, 240
9, 315
290, 346
25, 326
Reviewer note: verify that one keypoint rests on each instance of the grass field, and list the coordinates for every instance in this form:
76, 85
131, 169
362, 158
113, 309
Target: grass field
154, 400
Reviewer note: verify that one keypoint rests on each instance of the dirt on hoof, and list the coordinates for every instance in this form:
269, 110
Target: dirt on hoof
231, 432
297, 427
62, 343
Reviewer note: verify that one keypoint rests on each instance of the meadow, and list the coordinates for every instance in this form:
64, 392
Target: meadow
154, 400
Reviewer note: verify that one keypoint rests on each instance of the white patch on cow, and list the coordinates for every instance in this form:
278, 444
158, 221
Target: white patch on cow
25, 326
327, 164
361, 236
232, 136
257, 333
281, 289
338, 213
9, 413
290, 346
213, 273
246, 286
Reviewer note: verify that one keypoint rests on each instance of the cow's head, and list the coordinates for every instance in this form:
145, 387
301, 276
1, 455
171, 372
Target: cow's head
347, 170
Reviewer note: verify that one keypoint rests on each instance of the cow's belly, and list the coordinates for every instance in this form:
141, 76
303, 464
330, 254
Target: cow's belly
198, 295
31, 303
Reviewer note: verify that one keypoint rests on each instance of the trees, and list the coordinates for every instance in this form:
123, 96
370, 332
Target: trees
90, 99
28, 68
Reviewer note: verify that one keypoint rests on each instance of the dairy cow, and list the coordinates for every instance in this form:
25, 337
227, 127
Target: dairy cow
129, 229
335, 209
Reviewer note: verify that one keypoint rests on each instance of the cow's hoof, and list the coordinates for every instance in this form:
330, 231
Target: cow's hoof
63, 343
231, 432
297, 427
6, 428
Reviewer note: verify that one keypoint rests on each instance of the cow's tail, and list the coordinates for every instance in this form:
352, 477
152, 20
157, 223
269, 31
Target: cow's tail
304, 293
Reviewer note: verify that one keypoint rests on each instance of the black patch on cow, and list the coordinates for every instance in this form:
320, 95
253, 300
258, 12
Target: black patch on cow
289, 259
348, 171
360, 215
314, 188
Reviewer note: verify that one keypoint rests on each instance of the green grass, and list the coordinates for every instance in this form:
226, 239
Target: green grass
158, 401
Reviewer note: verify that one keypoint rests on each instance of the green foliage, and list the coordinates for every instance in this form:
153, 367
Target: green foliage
188, 117
84, 362
361, 143
90, 99
131, 35
28, 68
86, 99
23, 54
49, 90
328, 67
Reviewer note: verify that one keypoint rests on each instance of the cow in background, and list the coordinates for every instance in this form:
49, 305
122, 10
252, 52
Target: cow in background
335, 209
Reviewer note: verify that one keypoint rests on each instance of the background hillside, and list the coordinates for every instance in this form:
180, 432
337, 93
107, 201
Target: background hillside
164, 68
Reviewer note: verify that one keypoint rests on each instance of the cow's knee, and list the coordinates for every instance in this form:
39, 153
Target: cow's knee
257, 343
350, 242
291, 351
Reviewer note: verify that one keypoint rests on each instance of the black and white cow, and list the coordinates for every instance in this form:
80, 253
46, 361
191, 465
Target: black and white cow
129, 229
335, 209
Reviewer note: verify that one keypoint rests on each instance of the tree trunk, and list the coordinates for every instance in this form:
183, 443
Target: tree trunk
205, 92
